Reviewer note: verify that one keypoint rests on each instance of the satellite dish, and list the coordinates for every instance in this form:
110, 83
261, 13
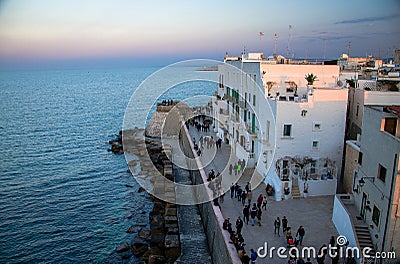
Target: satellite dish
340, 83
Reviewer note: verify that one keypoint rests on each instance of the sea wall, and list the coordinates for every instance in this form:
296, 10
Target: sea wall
218, 241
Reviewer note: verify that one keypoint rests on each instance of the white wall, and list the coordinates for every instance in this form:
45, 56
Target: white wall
342, 222
378, 148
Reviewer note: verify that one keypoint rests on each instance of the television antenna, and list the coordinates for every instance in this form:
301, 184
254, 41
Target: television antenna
276, 36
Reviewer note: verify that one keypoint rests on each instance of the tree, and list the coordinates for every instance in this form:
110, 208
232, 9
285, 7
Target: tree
310, 78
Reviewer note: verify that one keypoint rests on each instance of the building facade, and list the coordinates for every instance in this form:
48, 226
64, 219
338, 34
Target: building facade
292, 132
376, 183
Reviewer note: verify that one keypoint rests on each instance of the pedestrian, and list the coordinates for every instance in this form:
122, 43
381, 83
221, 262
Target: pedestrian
235, 168
301, 232
288, 233
246, 214
259, 201
284, 223
239, 194
332, 241
236, 188
249, 197
253, 256
232, 190
239, 225
243, 163
230, 169
300, 260
277, 225
264, 203
259, 213
247, 187
244, 195
253, 214
239, 167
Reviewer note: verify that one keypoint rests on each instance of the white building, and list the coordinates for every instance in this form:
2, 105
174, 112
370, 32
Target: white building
375, 182
310, 121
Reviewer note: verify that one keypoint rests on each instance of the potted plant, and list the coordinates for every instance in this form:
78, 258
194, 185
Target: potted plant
310, 78
286, 192
305, 192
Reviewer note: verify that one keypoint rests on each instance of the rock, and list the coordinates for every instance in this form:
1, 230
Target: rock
141, 224
128, 185
156, 259
133, 229
126, 256
144, 234
139, 247
157, 240
142, 212
123, 247
129, 216
141, 189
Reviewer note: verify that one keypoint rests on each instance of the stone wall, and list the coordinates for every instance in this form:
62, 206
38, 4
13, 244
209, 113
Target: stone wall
218, 241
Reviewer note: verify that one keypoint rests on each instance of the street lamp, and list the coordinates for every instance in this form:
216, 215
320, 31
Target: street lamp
361, 182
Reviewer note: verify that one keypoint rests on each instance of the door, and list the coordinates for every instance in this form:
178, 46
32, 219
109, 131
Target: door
253, 123
363, 204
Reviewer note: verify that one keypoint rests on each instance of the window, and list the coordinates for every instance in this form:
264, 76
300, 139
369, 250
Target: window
267, 131
390, 125
376, 214
254, 100
381, 173
315, 144
360, 156
358, 109
287, 130
313, 165
317, 127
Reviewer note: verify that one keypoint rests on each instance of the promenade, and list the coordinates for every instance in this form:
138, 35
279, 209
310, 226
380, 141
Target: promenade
313, 213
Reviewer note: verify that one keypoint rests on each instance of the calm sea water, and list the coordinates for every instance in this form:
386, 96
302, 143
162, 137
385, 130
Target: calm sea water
62, 195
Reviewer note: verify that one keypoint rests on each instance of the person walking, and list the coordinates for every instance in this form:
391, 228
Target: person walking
253, 214
301, 232
277, 225
259, 213
239, 194
259, 201
239, 167
235, 168
253, 256
230, 169
244, 195
239, 225
249, 197
232, 190
264, 203
284, 224
246, 214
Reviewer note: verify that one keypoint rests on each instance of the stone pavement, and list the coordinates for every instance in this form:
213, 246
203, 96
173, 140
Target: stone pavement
193, 239
314, 213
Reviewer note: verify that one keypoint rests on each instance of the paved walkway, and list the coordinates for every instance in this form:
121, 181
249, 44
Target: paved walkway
314, 214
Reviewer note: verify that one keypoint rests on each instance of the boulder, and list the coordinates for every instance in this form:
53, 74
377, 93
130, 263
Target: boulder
123, 247
133, 229
138, 246
141, 189
156, 259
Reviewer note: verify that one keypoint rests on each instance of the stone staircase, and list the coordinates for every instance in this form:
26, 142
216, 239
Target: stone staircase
296, 192
364, 240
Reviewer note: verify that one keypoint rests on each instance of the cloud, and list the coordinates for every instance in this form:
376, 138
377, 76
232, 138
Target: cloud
367, 19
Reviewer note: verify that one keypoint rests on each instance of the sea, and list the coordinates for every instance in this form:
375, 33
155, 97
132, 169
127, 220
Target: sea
63, 196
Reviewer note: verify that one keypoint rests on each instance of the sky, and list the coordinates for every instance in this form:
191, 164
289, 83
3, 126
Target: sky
73, 33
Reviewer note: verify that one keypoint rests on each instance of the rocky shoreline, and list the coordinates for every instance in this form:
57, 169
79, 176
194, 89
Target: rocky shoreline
158, 241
